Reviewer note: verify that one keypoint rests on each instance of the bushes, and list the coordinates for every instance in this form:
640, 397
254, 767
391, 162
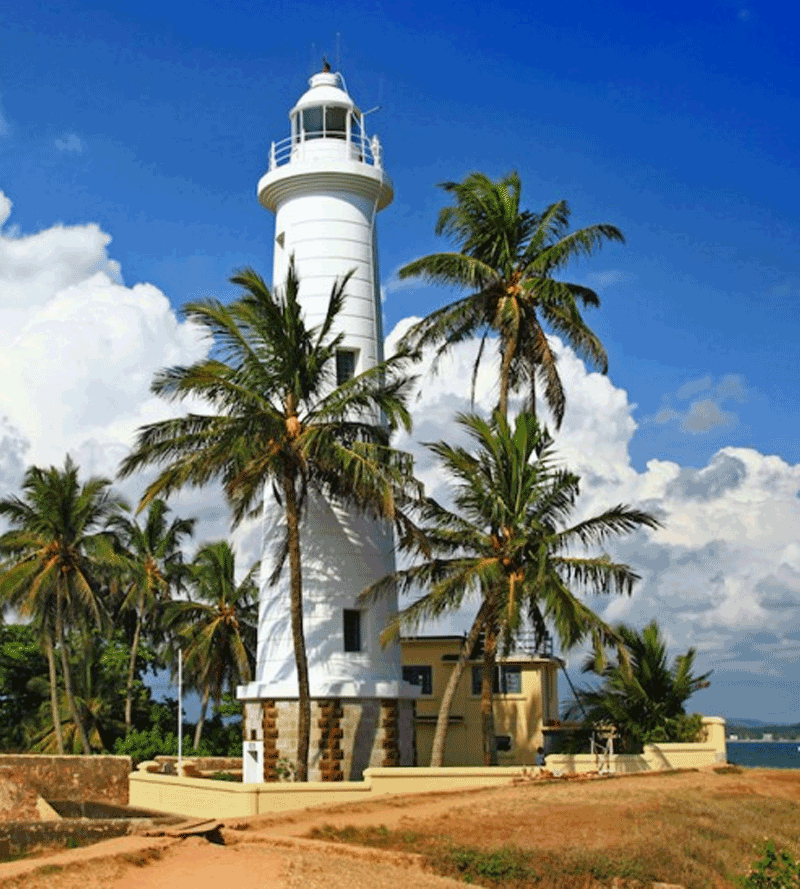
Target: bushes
776, 870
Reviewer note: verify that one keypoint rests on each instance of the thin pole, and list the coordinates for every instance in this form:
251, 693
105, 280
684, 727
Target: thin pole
180, 709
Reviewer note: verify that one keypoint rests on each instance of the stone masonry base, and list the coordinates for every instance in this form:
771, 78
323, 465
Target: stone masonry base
347, 735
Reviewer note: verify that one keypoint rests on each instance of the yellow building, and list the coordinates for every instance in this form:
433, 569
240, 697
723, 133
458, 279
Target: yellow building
526, 699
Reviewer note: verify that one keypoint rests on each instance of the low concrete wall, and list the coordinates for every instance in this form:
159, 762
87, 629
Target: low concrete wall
220, 799
656, 757
99, 778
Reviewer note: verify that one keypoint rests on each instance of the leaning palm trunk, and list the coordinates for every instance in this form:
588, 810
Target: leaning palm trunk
487, 702
55, 708
132, 671
296, 578
73, 707
443, 719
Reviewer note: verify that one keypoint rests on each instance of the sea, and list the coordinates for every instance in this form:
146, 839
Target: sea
765, 754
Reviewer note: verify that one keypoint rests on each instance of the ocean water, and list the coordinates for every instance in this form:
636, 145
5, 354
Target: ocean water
765, 754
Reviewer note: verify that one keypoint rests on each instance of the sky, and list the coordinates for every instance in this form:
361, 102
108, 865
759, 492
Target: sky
131, 142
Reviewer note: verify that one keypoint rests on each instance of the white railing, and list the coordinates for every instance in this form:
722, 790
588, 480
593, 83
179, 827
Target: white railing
316, 146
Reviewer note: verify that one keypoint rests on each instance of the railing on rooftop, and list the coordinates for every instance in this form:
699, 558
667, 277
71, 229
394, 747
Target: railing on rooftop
526, 643
318, 145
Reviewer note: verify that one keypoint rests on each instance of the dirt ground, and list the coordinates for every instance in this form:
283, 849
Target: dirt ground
275, 853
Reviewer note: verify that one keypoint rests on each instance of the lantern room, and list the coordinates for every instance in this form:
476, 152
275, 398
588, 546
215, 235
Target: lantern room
326, 125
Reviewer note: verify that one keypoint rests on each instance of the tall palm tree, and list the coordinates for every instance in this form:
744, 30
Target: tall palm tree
217, 627
275, 416
507, 259
507, 541
151, 560
641, 695
52, 558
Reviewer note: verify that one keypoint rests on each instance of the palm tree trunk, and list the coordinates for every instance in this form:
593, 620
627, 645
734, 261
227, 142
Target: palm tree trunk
487, 708
509, 349
55, 708
73, 708
132, 671
296, 578
442, 720
198, 731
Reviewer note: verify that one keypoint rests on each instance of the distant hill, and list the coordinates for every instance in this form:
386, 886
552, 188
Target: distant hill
755, 728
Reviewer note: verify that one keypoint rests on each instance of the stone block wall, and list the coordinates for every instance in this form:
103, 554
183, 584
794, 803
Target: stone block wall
97, 778
347, 735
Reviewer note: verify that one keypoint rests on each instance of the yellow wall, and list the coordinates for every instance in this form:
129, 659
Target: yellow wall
206, 798
520, 716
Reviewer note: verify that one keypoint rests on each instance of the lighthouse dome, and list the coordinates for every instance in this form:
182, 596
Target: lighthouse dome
326, 89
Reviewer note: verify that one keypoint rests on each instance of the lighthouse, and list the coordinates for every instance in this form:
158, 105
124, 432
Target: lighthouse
325, 186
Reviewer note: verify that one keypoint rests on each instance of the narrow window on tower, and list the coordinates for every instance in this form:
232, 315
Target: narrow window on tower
345, 365
352, 629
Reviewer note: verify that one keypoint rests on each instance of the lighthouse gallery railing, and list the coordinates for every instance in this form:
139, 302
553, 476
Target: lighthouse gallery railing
316, 145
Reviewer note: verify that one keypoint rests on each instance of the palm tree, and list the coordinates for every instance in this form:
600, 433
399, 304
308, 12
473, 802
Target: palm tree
52, 561
152, 563
641, 695
508, 541
219, 624
276, 416
217, 627
507, 259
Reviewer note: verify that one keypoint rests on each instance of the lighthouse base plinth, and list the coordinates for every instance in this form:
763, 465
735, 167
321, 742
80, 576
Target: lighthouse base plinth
348, 735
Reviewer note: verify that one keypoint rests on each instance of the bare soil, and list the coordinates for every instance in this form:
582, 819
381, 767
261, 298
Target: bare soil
689, 828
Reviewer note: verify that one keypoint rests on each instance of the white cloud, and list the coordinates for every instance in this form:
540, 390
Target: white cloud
70, 143
705, 412
602, 280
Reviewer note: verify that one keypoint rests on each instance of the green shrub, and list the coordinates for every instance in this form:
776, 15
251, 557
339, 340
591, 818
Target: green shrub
776, 870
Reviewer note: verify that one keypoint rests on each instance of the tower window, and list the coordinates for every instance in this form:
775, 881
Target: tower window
352, 629
345, 365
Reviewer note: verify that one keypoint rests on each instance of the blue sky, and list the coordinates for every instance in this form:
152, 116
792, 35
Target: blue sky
678, 124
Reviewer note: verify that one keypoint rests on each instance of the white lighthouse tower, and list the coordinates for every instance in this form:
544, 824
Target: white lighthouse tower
325, 185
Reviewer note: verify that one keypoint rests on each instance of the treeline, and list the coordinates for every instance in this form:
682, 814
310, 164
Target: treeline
104, 598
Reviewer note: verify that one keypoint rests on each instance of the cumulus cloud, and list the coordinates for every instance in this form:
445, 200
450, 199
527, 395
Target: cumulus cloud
724, 568
71, 143
80, 351
697, 406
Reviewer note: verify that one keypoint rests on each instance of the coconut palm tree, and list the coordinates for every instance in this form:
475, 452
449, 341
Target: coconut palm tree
52, 559
276, 416
507, 540
641, 695
507, 259
151, 562
216, 628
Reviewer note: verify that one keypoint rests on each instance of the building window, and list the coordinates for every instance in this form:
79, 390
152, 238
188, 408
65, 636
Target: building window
503, 743
507, 680
421, 676
352, 629
345, 365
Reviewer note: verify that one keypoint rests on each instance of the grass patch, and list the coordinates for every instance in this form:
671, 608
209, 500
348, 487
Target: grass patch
508, 866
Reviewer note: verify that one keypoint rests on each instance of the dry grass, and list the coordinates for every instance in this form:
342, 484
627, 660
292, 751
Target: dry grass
698, 829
